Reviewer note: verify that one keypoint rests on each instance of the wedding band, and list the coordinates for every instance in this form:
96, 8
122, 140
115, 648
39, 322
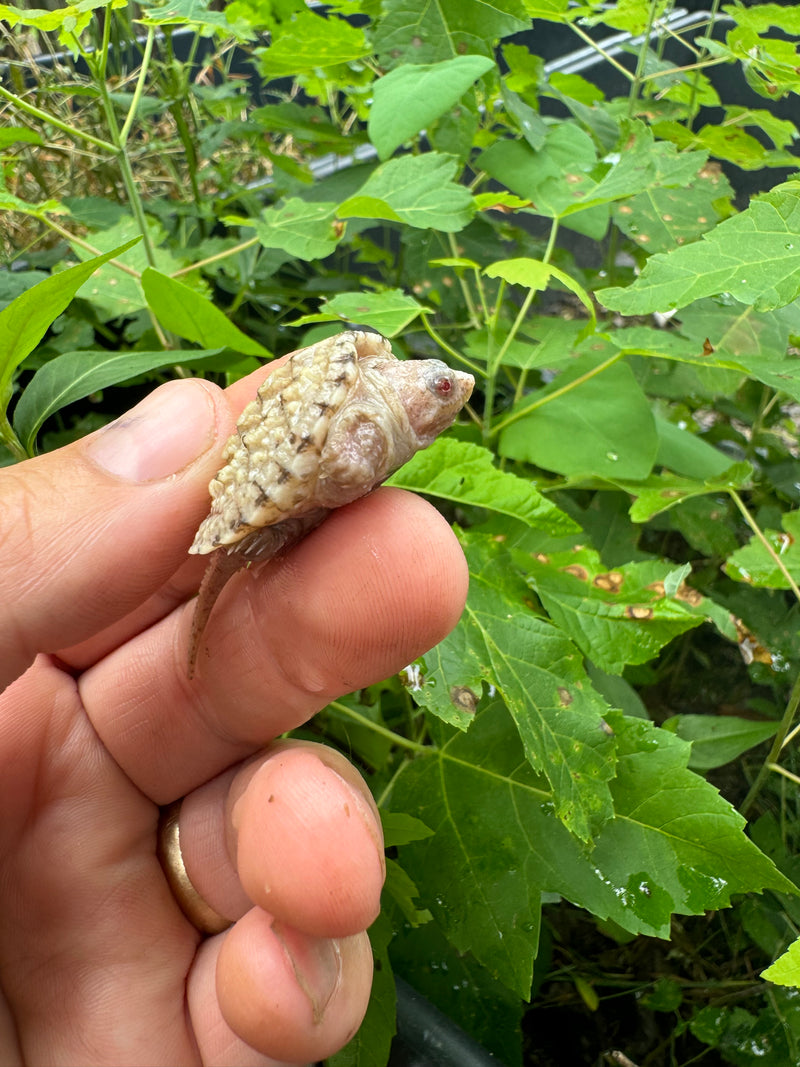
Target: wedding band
200, 914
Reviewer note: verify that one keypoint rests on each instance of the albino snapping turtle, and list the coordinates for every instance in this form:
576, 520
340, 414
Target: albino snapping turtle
326, 427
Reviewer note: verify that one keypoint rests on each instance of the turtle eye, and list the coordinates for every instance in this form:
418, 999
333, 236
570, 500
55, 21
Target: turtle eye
442, 385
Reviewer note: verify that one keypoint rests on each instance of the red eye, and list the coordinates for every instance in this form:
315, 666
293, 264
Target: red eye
443, 386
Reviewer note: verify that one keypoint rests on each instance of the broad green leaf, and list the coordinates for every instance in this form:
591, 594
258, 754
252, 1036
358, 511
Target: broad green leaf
786, 969
199, 14
681, 451
302, 228
662, 218
602, 426
411, 97
190, 315
70, 20
417, 190
311, 42
26, 320
754, 256
535, 274
617, 617
755, 566
761, 17
663, 491
674, 847
114, 291
540, 676
553, 179
389, 311
531, 124
553, 340
410, 32
74, 375
305, 122
17, 135
718, 739
465, 473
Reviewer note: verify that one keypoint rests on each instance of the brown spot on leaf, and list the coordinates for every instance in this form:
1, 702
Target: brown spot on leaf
639, 612
565, 698
624, 209
577, 571
462, 697
689, 595
657, 588
610, 582
708, 348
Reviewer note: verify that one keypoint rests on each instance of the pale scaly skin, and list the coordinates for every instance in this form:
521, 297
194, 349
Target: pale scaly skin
327, 427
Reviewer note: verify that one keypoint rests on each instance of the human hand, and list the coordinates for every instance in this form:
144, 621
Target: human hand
100, 727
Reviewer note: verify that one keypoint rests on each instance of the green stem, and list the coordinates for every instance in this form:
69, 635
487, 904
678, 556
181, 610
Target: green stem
509, 419
636, 84
10, 439
382, 731
601, 51
137, 92
452, 352
44, 116
775, 751
776, 559
465, 290
124, 163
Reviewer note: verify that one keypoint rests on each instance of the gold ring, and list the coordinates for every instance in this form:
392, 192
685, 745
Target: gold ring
200, 914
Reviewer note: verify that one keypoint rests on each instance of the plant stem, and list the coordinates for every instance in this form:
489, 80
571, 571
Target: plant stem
10, 439
382, 731
509, 419
44, 116
751, 522
636, 84
775, 751
453, 352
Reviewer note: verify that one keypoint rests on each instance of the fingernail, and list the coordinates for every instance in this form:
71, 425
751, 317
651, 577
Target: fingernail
317, 965
160, 436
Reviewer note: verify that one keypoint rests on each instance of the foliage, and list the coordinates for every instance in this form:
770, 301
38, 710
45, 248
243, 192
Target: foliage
625, 492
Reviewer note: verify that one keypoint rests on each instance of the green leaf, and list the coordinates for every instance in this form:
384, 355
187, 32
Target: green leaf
674, 847
754, 565
684, 452
18, 135
190, 315
786, 969
304, 229
754, 256
662, 218
113, 291
411, 97
540, 675
617, 617
389, 311
604, 426
465, 473
26, 320
74, 375
535, 274
552, 341
417, 190
664, 491
371, 1044
410, 32
717, 739
312, 42
70, 20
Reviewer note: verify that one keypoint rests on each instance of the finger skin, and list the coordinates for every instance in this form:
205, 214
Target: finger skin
321, 986
387, 569
296, 831
82, 547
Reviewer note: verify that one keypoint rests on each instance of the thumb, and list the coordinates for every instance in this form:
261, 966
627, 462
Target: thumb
90, 531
